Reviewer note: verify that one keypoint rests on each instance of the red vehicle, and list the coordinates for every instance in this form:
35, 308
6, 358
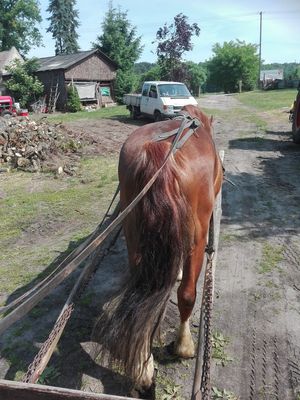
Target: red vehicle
7, 107
296, 119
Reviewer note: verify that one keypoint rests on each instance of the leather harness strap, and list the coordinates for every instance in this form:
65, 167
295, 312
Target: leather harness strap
191, 123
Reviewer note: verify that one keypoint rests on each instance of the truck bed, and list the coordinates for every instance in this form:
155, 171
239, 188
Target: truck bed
132, 99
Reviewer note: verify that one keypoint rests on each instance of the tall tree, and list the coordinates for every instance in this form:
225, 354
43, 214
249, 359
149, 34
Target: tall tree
63, 25
233, 62
18, 19
120, 42
173, 41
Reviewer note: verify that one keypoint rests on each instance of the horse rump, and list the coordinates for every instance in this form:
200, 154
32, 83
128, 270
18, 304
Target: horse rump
160, 222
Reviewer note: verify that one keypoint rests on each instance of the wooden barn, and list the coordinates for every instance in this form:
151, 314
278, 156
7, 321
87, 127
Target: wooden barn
92, 72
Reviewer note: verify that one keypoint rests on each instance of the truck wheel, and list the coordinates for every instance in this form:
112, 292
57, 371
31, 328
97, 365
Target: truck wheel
133, 113
157, 116
6, 114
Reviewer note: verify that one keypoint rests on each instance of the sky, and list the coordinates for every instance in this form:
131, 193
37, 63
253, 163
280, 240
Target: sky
219, 21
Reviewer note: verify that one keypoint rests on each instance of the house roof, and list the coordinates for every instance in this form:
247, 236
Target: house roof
6, 57
65, 61
271, 74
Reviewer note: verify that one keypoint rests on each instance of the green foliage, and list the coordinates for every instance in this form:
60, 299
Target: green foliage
24, 86
49, 374
232, 62
120, 43
63, 25
73, 102
196, 77
219, 343
18, 21
153, 74
126, 81
143, 67
118, 40
223, 394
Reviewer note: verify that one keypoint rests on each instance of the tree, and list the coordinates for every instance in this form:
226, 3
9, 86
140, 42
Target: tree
18, 19
196, 77
119, 42
73, 101
233, 62
173, 41
24, 86
142, 67
63, 25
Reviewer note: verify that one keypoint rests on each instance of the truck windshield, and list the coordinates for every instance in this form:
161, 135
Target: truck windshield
173, 90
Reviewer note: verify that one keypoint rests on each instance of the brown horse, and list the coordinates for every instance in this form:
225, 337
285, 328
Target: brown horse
166, 232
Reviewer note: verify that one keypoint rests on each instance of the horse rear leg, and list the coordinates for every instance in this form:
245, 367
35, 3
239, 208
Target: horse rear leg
186, 295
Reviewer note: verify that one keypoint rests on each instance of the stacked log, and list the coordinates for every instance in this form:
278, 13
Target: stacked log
35, 145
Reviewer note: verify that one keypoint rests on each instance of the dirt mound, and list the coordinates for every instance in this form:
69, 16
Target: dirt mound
38, 146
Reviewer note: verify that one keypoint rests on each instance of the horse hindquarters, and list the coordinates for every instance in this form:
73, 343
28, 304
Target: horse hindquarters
158, 238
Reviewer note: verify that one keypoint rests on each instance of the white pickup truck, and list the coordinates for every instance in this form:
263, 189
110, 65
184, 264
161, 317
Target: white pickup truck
159, 99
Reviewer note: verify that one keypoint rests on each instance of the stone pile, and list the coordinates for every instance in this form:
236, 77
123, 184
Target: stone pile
35, 145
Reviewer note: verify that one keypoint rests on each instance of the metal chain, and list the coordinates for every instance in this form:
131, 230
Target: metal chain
207, 330
31, 374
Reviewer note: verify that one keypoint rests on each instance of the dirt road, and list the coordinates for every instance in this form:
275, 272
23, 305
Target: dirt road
256, 314
257, 281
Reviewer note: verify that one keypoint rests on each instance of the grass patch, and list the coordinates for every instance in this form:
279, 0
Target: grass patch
219, 344
267, 100
228, 237
271, 257
49, 375
223, 394
109, 112
42, 216
260, 124
167, 389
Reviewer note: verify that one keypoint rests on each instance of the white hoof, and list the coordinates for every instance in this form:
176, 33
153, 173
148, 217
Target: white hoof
184, 345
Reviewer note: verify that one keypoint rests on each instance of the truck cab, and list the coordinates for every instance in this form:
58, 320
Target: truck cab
159, 99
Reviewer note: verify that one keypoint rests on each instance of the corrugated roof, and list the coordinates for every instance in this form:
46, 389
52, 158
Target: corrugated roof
67, 60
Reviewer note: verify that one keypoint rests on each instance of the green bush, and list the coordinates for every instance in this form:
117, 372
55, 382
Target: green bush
73, 102
24, 86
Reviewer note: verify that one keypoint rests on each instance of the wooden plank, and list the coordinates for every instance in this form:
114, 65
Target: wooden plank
10, 390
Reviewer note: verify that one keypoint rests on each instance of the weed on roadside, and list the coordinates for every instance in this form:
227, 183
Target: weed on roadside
271, 257
49, 375
223, 394
219, 343
167, 389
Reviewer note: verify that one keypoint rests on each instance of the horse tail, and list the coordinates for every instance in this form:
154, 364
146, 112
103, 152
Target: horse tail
164, 240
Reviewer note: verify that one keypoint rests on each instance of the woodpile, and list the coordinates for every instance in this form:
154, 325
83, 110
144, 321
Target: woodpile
36, 145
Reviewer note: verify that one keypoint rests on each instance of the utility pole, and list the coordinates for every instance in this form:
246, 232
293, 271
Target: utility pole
259, 56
